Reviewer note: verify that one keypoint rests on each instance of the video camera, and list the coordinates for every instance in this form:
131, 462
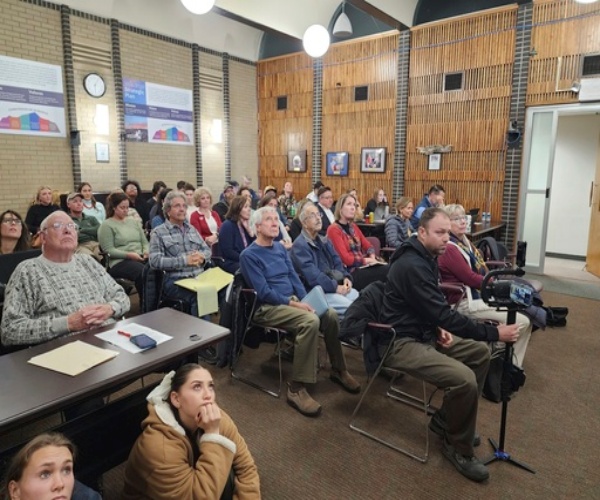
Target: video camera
505, 293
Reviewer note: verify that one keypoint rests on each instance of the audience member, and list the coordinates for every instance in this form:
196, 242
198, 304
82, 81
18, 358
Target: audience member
435, 198
43, 469
355, 251
157, 216
87, 227
41, 208
397, 227
223, 205
268, 269
317, 263
133, 191
324, 206
91, 207
414, 304
246, 182
296, 225
189, 190
13, 237
235, 233
287, 202
270, 199
378, 205
124, 240
58, 292
359, 215
462, 264
181, 185
234, 185
189, 447
312, 196
177, 248
206, 221
157, 187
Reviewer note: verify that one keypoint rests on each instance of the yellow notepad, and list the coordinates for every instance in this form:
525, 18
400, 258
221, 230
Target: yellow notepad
206, 285
74, 358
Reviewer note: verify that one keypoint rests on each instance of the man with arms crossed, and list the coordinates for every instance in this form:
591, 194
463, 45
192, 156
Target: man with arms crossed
414, 304
59, 292
268, 269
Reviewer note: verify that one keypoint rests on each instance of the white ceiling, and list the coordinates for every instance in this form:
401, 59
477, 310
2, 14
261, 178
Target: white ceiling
220, 33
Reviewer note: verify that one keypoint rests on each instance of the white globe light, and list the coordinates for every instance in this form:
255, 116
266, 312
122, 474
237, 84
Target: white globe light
198, 6
315, 40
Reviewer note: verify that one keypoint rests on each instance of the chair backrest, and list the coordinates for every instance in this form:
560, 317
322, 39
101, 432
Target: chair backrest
9, 262
375, 243
491, 249
152, 280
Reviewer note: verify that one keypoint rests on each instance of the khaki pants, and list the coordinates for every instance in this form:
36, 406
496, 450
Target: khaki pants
90, 248
459, 370
305, 327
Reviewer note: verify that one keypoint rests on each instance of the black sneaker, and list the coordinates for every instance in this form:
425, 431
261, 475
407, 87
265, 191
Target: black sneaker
469, 466
437, 425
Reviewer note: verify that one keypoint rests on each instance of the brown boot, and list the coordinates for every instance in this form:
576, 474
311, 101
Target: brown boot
347, 381
302, 401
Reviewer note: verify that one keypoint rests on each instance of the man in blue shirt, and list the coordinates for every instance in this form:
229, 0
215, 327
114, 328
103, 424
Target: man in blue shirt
268, 269
435, 199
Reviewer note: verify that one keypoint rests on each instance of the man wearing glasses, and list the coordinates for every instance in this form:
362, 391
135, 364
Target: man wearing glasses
58, 292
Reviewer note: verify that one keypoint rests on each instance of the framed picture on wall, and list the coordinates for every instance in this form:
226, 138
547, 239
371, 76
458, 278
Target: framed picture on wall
435, 161
337, 163
297, 161
372, 160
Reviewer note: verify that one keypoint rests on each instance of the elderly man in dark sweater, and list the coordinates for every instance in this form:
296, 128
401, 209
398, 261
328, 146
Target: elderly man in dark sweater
268, 269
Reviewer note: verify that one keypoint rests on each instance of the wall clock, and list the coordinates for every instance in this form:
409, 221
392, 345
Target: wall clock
94, 85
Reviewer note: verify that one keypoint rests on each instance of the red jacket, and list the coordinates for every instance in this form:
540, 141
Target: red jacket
352, 251
199, 222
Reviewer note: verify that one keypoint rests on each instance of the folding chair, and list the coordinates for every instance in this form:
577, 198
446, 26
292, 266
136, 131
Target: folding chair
250, 337
383, 336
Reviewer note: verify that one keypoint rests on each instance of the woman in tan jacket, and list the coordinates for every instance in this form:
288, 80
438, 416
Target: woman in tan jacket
189, 448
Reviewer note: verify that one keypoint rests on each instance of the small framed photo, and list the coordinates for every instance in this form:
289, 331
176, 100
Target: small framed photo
435, 161
297, 161
372, 160
337, 164
102, 152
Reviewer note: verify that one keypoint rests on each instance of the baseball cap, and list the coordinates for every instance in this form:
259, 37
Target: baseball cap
74, 195
228, 185
270, 188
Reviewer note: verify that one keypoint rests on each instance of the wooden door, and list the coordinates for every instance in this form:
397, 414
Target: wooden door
593, 251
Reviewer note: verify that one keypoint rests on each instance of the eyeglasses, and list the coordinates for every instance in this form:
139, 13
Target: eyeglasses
315, 215
58, 226
460, 218
12, 222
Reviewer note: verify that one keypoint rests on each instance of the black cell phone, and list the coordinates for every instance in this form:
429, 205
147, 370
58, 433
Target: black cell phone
143, 341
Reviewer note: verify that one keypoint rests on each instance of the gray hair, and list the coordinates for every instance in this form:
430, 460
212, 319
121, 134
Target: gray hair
257, 216
46, 221
453, 209
169, 200
303, 215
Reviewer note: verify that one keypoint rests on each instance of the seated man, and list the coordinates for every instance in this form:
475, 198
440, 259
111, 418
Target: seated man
59, 292
87, 237
177, 248
324, 206
317, 262
433, 199
267, 268
222, 206
414, 304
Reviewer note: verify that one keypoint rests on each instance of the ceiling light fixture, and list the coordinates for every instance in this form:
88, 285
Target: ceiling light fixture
342, 27
316, 40
198, 6
586, 1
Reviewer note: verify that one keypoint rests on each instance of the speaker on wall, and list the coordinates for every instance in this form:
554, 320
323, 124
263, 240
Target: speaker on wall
75, 138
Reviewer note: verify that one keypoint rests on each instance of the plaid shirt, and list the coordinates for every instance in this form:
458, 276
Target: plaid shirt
170, 245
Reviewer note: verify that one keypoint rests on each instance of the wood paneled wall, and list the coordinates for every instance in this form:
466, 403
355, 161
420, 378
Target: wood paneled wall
473, 120
563, 31
349, 125
285, 130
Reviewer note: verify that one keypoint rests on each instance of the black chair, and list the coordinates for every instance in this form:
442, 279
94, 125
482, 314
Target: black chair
154, 296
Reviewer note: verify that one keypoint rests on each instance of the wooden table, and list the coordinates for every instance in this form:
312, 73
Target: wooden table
480, 230
105, 436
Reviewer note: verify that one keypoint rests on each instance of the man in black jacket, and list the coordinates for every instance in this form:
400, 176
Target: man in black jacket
415, 305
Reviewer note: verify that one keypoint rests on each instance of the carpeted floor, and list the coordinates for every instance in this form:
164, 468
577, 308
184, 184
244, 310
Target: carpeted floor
566, 286
553, 425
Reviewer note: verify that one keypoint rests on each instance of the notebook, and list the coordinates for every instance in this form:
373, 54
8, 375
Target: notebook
74, 358
316, 299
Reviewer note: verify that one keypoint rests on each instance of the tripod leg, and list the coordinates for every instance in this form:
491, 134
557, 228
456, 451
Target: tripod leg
500, 454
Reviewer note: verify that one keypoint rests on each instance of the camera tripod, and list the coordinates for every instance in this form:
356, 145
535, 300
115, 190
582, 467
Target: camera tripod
499, 451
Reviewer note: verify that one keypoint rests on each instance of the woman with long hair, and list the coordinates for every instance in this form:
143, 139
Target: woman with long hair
357, 254
13, 236
378, 205
189, 447
235, 233
204, 218
91, 206
41, 208
124, 240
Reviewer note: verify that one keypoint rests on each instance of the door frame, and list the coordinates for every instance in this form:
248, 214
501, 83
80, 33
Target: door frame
557, 111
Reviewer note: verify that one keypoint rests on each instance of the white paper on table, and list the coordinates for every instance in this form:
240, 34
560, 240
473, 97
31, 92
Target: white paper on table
123, 342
